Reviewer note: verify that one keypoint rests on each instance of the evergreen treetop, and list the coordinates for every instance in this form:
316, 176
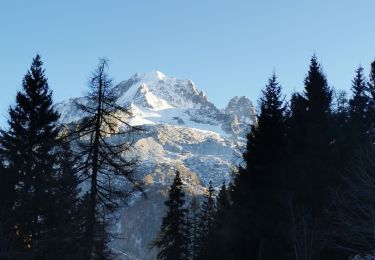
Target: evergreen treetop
359, 102
317, 92
28, 150
172, 240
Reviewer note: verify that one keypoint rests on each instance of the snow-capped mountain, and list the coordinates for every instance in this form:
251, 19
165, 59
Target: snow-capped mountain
182, 130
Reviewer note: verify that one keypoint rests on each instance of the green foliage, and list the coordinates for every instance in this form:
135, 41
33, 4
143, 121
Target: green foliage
28, 150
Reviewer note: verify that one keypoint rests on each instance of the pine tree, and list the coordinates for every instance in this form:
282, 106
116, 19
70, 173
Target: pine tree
206, 220
7, 235
222, 205
313, 173
7, 198
103, 164
371, 90
28, 150
359, 112
194, 211
216, 242
258, 187
172, 240
311, 135
371, 82
317, 93
66, 226
249, 227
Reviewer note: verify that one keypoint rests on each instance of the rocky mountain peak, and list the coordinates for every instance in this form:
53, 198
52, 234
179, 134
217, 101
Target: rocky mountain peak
169, 90
183, 131
242, 107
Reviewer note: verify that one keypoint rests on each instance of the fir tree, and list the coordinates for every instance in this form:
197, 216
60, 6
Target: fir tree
206, 220
246, 227
359, 103
222, 204
310, 135
371, 90
317, 93
257, 195
371, 82
194, 211
312, 173
7, 198
7, 236
28, 150
172, 240
66, 226
216, 242
208, 210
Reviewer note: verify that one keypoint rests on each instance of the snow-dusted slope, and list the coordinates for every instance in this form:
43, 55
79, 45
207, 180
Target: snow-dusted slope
182, 130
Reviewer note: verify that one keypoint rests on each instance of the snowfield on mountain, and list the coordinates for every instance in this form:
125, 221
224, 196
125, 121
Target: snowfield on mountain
181, 129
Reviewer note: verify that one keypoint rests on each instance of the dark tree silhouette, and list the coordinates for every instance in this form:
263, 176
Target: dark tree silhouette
172, 240
315, 163
28, 152
359, 109
66, 226
311, 139
258, 186
354, 223
371, 90
219, 232
194, 212
206, 220
103, 137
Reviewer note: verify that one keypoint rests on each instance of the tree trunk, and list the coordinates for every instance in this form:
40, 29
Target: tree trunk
90, 233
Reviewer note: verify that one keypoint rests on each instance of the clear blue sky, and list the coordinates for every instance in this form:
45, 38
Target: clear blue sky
227, 47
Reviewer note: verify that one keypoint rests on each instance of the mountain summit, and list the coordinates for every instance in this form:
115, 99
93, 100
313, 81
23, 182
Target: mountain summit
182, 130
175, 92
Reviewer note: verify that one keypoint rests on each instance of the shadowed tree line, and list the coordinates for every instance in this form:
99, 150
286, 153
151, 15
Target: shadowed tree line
60, 185
305, 189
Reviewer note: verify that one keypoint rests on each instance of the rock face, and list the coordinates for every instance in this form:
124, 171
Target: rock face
240, 114
182, 130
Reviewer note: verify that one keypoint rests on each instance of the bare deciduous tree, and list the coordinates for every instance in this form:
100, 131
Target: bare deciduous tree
306, 239
355, 205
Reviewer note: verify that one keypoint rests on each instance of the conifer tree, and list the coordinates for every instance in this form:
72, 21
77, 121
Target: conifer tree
313, 171
317, 93
222, 205
258, 187
7, 198
172, 240
28, 150
104, 165
66, 231
249, 228
7, 236
359, 104
371, 90
194, 211
371, 82
206, 220
216, 242
342, 111
311, 134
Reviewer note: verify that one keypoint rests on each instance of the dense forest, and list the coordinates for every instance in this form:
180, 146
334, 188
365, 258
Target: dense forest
305, 189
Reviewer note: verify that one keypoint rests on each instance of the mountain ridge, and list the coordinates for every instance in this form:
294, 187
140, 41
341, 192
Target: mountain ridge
183, 131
